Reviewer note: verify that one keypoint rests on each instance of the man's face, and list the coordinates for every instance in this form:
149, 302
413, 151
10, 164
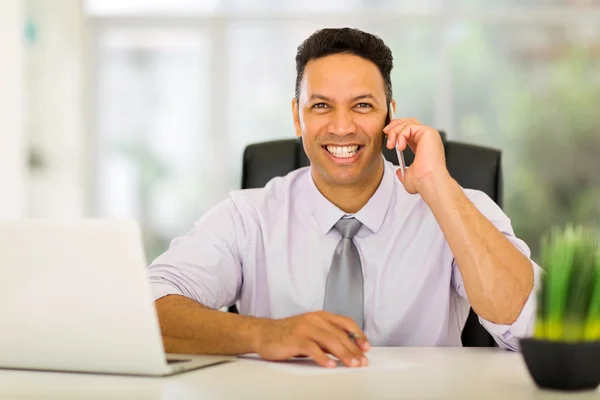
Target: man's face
340, 115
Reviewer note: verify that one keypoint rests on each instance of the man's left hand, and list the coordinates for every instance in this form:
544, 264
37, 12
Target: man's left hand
426, 143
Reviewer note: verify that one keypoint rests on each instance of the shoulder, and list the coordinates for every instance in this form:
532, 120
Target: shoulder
246, 211
485, 205
277, 192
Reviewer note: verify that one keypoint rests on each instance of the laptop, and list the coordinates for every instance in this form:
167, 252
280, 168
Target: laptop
74, 296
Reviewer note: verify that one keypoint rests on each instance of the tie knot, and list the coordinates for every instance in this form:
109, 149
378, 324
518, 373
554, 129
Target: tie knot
348, 227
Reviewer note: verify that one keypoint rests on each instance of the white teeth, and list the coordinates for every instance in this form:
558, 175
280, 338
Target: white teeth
343, 151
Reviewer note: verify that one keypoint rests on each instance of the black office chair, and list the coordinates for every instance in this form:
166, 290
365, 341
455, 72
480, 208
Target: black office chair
472, 166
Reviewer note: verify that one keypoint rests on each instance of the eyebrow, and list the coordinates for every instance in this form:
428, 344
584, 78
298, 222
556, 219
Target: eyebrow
356, 98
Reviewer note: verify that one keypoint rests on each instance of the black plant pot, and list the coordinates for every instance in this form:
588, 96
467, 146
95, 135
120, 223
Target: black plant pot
562, 365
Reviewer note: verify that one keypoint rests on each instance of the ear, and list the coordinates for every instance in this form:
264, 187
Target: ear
296, 117
394, 107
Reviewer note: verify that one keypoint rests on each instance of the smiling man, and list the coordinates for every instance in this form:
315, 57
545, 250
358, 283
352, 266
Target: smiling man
347, 253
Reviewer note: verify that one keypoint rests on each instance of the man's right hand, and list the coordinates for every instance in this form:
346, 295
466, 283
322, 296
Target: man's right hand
313, 335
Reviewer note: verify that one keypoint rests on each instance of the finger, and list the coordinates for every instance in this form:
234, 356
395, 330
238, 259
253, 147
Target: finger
394, 127
347, 340
361, 341
398, 127
345, 323
409, 136
390, 126
391, 139
312, 350
399, 139
332, 344
403, 135
350, 327
395, 138
402, 176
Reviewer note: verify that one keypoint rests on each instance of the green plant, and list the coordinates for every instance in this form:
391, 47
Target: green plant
569, 297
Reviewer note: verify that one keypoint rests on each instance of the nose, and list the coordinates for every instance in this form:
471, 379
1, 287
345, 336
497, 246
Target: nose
342, 123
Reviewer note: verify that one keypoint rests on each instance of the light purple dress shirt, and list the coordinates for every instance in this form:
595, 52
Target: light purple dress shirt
270, 250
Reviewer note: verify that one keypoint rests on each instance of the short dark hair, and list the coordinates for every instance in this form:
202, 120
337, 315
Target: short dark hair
325, 42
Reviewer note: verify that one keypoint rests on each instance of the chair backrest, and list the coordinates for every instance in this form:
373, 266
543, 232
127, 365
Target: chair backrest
473, 167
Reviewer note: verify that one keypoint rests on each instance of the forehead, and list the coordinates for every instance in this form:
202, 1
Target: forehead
340, 76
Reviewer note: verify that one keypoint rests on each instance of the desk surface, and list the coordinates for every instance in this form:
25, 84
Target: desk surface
433, 373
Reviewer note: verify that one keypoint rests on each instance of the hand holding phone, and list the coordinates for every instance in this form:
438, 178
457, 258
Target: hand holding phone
398, 152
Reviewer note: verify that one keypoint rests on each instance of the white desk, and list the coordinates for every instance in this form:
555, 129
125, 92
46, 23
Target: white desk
437, 373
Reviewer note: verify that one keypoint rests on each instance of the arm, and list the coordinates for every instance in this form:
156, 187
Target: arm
497, 277
201, 273
189, 327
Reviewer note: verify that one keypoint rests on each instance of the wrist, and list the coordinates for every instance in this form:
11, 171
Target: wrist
436, 185
255, 332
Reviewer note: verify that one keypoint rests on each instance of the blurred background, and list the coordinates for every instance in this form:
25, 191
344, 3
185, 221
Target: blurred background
142, 109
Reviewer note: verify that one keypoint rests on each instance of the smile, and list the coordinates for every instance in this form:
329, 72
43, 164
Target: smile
343, 151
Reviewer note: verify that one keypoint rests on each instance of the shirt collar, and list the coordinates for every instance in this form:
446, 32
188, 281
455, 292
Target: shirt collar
372, 213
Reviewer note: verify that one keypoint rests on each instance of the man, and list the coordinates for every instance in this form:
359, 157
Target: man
347, 253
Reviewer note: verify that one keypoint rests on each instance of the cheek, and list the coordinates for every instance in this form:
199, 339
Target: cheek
372, 128
313, 124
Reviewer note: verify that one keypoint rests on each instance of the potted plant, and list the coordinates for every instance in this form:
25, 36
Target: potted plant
564, 352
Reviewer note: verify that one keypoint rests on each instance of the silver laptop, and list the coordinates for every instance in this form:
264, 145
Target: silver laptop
74, 296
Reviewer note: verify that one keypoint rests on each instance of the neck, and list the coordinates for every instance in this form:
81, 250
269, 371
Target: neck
351, 198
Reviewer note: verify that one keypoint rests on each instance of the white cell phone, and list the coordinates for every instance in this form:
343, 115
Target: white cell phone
398, 152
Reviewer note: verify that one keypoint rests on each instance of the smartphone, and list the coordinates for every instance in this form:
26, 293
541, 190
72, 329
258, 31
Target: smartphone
399, 153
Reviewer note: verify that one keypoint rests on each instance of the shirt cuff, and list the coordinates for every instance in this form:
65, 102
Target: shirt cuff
161, 289
507, 336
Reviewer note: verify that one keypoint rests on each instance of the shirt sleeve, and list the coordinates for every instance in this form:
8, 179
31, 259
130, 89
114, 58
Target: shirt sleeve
507, 336
204, 264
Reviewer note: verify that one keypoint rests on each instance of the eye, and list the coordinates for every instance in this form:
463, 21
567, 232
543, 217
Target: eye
320, 105
364, 105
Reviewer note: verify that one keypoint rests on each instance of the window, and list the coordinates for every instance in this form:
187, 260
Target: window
154, 161
532, 91
182, 86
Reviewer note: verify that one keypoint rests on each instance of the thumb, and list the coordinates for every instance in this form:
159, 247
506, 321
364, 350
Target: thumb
400, 175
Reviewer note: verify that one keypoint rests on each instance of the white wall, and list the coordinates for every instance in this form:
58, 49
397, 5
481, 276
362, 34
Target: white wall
12, 155
55, 82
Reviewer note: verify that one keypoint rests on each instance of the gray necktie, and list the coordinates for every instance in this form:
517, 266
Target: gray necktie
344, 289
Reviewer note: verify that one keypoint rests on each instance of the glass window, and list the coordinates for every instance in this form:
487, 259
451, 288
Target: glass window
207, 7
176, 106
161, 7
154, 146
538, 5
331, 6
416, 51
534, 92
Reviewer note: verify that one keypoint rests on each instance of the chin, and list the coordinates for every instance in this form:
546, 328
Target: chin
343, 180
337, 176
